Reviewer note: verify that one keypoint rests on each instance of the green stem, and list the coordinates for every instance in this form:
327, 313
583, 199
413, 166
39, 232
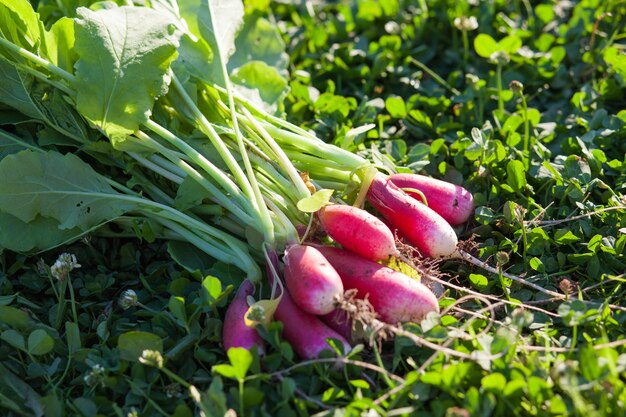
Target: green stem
59, 72
465, 47
207, 166
241, 392
317, 147
175, 377
526, 124
499, 86
434, 75
72, 299
45, 78
283, 160
61, 308
156, 168
207, 128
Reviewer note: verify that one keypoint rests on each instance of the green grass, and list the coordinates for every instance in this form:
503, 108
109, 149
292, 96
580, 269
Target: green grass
547, 168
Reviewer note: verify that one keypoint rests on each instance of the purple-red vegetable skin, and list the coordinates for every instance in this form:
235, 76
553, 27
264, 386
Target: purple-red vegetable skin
358, 231
235, 332
453, 202
339, 321
394, 296
312, 282
306, 333
422, 226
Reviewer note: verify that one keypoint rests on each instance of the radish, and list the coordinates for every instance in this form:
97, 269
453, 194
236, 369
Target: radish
453, 202
235, 332
306, 333
358, 231
422, 226
394, 296
311, 280
339, 321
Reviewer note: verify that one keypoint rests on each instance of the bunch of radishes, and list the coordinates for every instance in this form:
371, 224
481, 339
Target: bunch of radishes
421, 210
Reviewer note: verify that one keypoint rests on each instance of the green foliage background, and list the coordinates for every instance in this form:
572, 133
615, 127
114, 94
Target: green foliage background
401, 81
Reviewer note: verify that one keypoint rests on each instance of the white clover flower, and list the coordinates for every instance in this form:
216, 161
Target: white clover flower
465, 23
95, 376
133, 412
500, 58
64, 264
152, 358
128, 299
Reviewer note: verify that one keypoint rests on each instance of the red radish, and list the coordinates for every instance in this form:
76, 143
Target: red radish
306, 333
339, 321
312, 282
394, 296
358, 231
422, 226
453, 202
235, 332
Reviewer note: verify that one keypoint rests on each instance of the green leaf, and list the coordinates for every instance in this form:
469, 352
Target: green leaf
219, 21
212, 289
565, 236
72, 334
14, 338
15, 90
14, 317
396, 107
40, 342
485, 45
60, 44
17, 392
132, 344
20, 24
196, 57
479, 281
516, 175
189, 257
318, 200
189, 194
59, 187
225, 370
494, 382
176, 306
240, 359
259, 40
537, 265
39, 234
125, 54
509, 44
270, 86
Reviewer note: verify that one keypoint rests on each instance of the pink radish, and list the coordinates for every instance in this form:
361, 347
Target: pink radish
339, 321
394, 296
358, 231
306, 333
453, 202
311, 280
235, 332
422, 226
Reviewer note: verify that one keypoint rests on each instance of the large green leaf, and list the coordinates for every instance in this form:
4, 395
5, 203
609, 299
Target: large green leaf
20, 24
15, 89
259, 40
60, 44
124, 59
10, 144
268, 86
59, 187
218, 22
37, 235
